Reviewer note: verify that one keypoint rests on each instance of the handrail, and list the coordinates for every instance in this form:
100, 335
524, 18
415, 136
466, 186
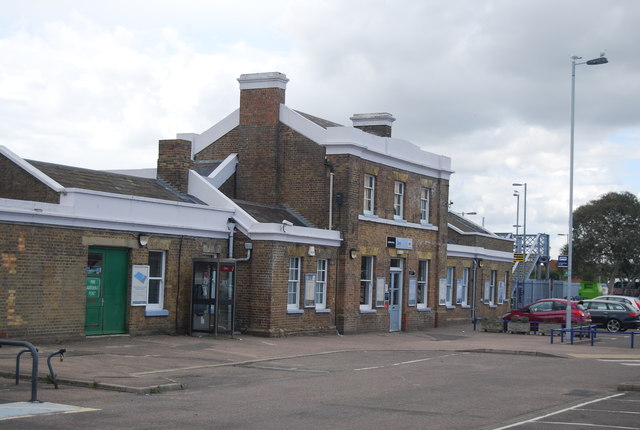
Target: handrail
34, 368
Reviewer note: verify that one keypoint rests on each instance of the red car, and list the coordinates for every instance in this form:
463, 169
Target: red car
551, 310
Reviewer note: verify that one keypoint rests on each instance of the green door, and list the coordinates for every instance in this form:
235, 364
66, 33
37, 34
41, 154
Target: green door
106, 291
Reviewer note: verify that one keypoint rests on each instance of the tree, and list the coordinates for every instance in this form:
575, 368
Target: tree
606, 238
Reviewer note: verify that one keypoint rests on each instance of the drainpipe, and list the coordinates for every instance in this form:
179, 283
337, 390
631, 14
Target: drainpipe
473, 292
330, 166
331, 201
231, 225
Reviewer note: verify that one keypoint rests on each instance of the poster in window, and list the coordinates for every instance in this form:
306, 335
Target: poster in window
309, 290
139, 285
413, 284
487, 292
380, 290
442, 292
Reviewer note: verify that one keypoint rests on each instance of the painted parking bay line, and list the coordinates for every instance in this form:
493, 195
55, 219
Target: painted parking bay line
15, 410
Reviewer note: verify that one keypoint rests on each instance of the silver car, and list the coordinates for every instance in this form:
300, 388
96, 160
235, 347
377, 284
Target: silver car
634, 302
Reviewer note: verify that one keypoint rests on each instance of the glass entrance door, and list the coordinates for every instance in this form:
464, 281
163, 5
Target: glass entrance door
213, 297
395, 294
204, 297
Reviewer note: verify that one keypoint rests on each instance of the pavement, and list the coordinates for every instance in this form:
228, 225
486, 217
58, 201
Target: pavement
151, 364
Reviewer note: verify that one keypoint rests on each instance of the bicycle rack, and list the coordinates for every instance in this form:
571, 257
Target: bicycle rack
34, 367
53, 375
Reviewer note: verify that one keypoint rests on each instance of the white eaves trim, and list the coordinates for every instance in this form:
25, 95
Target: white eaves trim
224, 171
215, 132
464, 251
100, 210
389, 151
55, 186
399, 223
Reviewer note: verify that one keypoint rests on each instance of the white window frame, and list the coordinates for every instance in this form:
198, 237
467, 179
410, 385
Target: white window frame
293, 283
425, 198
369, 194
320, 293
366, 282
398, 200
159, 279
423, 283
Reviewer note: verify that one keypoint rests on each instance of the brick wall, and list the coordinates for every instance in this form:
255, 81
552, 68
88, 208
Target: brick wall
369, 238
261, 303
43, 278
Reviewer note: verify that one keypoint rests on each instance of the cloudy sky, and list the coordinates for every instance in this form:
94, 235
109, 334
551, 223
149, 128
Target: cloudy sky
485, 82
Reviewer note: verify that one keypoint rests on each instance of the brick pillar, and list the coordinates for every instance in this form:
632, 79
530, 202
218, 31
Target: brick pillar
374, 123
174, 162
261, 95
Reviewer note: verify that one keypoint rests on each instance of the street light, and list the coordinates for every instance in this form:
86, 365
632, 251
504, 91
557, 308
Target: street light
574, 62
516, 194
524, 233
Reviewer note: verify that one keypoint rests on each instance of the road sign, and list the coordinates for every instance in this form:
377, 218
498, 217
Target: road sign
518, 256
563, 261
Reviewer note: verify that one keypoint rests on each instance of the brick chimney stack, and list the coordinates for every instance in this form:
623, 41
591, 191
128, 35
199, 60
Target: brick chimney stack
374, 123
261, 95
174, 162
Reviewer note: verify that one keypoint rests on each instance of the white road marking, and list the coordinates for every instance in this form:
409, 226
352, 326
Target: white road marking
538, 419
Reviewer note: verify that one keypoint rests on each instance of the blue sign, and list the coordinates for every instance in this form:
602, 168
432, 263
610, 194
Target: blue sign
563, 261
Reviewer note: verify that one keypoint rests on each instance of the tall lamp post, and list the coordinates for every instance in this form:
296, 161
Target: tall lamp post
574, 62
524, 233
516, 194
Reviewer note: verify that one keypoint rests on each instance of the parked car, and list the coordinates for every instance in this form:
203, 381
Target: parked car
551, 310
632, 301
612, 315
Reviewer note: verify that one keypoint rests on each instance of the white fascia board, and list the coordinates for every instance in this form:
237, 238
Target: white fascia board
215, 132
302, 125
202, 189
295, 234
55, 186
397, 153
90, 209
397, 223
224, 171
475, 233
464, 251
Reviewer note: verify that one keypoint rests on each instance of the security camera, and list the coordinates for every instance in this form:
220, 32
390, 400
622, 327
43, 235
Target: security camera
285, 222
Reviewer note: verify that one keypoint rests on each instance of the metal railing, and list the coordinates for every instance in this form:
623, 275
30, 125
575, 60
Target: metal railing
591, 331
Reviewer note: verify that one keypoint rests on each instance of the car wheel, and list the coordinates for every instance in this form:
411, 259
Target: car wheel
613, 325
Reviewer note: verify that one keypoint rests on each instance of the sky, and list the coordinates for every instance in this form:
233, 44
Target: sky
485, 82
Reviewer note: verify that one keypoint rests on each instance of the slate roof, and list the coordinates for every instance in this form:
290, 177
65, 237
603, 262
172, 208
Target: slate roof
76, 177
465, 225
272, 214
319, 121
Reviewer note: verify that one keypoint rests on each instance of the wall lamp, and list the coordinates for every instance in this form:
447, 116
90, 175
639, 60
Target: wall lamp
143, 239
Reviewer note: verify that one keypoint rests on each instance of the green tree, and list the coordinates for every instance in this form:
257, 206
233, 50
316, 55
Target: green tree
606, 238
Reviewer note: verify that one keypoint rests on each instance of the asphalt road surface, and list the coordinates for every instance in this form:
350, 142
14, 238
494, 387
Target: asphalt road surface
361, 390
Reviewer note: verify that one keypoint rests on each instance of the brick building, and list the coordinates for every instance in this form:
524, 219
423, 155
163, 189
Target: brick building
271, 222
